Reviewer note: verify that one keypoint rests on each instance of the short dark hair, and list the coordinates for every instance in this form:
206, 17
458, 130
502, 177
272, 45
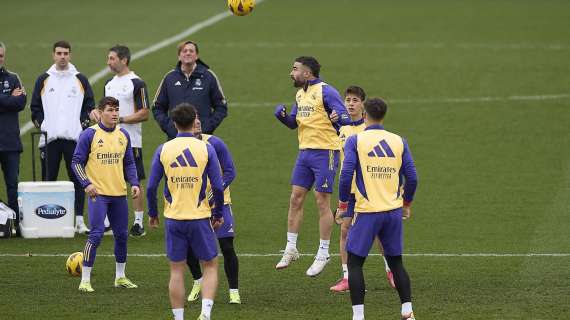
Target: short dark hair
183, 43
183, 115
62, 44
375, 108
356, 91
122, 52
311, 63
107, 101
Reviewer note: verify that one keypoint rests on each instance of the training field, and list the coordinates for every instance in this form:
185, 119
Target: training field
481, 90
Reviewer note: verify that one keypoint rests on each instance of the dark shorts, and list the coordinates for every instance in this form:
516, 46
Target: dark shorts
137, 153
226, 230
366, 226
197, 234
316, 167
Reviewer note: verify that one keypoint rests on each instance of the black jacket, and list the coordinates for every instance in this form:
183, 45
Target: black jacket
201, 89
9, 108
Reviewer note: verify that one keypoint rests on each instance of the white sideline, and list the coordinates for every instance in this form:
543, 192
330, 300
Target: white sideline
155, 47
540, 97
262, 255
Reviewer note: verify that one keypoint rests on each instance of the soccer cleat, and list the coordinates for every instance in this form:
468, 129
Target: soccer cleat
195, 292
408, 317
234, 298
390, 278
108, 231
288, 257
340, 286
85, 286
203, 317
125, 283
81, 228
137, 230
318, 265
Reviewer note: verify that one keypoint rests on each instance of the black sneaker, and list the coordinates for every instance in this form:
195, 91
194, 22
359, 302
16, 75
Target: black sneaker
137, 230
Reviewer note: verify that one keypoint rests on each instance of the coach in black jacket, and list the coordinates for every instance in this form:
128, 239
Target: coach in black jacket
12, 101
192, 82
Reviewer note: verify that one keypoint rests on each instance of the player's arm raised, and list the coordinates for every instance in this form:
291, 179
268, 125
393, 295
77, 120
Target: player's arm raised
287, 119
156, 173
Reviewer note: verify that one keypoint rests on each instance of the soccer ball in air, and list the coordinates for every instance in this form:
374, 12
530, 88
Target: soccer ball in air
74, 263
241, 7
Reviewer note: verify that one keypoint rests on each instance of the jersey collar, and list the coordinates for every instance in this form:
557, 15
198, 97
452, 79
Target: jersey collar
311, 82
375, 126
105, 128
357, 122
184, 134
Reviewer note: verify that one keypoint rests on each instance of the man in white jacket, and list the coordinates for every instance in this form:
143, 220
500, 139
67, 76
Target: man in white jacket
61, 103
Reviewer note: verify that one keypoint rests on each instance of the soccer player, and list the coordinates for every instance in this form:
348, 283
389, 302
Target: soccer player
317, 161
130, 90
61, 103
189, 221
354, 97
102, 159
383, 162
225, 233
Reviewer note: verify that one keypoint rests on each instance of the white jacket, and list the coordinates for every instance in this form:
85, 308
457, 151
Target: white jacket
62, 99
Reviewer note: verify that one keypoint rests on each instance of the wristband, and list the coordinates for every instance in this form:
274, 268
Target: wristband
342, 205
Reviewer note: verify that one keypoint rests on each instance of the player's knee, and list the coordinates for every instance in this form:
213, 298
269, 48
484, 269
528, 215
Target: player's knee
344, 231
95, 237
296, 200
395, 263
121, 237
227, 246
323, 202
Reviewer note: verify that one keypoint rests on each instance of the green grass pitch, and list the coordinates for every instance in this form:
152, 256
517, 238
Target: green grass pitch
479, 88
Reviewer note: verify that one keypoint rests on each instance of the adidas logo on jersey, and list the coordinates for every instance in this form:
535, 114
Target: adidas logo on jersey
184, 160
177, 83
377, 151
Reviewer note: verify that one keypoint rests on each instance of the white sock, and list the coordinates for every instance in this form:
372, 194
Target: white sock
358, 312
207, 307
107, 223
178, 313
120, 270
291, 241
198, 280
234, 290
406, 308
86, 274
386, 264
79, 220
139, 217
344, 271
323, 248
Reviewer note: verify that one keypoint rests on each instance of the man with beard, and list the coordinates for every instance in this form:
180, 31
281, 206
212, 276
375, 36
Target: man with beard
318, 111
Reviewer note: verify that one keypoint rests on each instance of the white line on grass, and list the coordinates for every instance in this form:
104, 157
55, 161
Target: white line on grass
153, 48
261, 255
541, 97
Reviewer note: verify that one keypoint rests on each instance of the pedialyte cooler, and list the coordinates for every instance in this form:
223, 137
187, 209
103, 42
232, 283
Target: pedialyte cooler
46, 209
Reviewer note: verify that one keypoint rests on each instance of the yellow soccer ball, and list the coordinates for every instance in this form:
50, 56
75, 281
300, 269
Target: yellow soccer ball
241, 7
74, 263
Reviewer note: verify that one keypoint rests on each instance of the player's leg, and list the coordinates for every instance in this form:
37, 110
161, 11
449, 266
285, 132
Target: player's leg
196, 271
358, 243
137, 230
389, 274
119, 219
67, 149
301, 181
225, 235
342, 284
177, 238
97, 209
206, 250
323, 165
391, 237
